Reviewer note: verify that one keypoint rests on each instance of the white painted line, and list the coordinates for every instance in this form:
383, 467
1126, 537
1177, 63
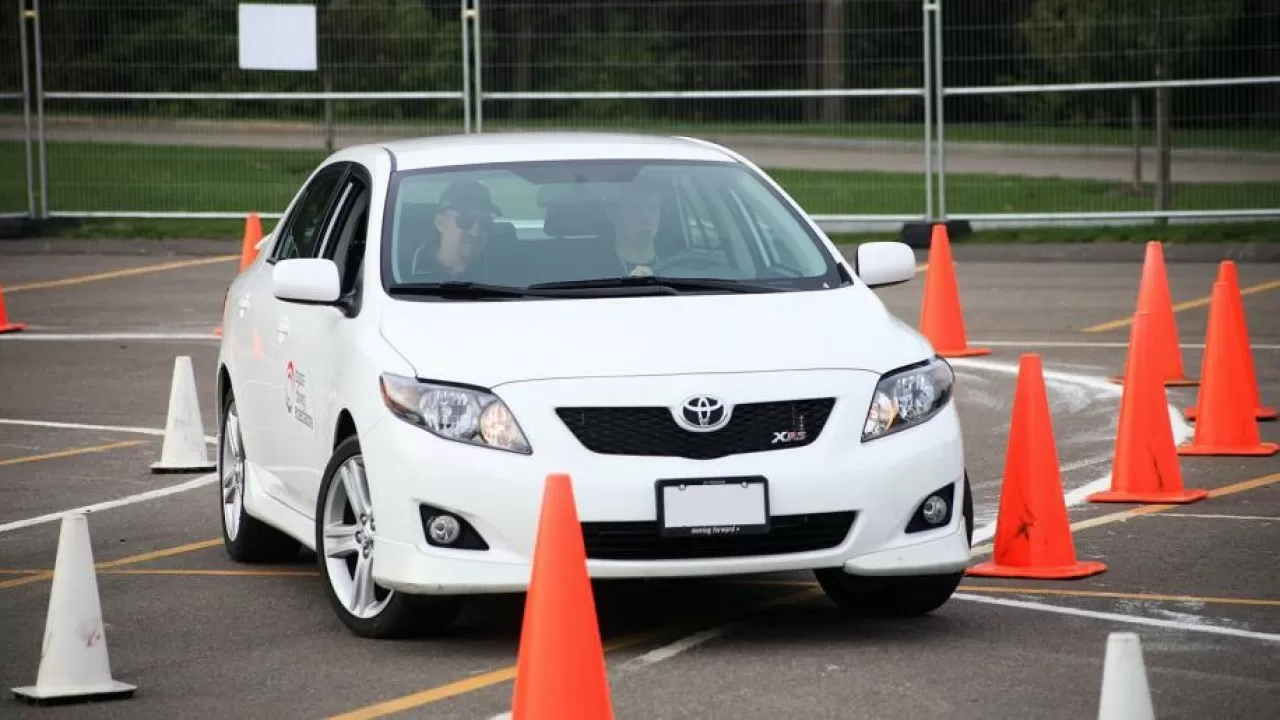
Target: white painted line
158, 432
1084, 344
657, 655
1117, 617
120, 502
1209, 516
115, 337
666, 652
1087, 462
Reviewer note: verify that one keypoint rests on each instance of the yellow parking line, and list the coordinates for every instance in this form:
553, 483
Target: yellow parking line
1198, 302
1119, 595
70, 453
112, 274
122, 562
494, 677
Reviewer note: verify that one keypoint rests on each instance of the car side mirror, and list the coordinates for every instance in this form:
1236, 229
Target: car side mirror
306, 280
881, 264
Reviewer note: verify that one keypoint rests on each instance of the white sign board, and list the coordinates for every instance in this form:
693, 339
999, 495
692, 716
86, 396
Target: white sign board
277, 37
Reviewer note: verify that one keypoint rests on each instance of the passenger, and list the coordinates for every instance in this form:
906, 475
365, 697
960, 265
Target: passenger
462, 220
635, 219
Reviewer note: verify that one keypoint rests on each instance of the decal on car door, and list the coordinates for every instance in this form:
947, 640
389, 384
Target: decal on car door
295, 397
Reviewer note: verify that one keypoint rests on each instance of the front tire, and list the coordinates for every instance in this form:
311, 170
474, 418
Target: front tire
246, 538
346, 543
895, 597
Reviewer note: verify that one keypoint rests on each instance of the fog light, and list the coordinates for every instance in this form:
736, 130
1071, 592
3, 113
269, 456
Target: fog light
444, 529
934, 510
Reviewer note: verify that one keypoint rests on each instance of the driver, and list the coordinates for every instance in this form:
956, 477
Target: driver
635, 218
463, 217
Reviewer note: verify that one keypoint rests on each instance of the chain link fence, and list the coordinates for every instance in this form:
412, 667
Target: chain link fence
1104, 110
872, 113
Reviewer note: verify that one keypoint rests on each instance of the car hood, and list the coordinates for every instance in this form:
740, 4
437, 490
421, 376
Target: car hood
491, 343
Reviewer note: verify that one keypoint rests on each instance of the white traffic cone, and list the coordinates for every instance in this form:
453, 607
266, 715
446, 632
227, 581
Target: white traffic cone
74, 665
1125, 694
184, 447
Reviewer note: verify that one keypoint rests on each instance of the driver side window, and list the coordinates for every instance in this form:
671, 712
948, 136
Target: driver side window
298, 238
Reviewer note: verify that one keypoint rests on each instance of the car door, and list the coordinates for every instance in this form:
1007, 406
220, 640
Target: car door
282, 402
319, 342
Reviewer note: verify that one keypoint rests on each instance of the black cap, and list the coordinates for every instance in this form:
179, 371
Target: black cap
469, 197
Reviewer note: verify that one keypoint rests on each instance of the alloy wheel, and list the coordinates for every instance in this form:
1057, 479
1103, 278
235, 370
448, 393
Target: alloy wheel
232, 460
349, 535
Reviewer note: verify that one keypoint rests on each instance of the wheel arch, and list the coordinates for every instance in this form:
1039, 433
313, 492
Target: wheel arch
223, 386
344, 427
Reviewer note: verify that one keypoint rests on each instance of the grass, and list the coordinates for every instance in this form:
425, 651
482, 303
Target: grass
86, 177
1119, 133
1014, 133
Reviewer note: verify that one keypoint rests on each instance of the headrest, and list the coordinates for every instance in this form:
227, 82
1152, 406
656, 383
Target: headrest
575, 219
418, 217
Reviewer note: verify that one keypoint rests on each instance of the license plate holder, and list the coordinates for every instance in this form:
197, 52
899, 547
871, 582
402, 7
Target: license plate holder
712, 507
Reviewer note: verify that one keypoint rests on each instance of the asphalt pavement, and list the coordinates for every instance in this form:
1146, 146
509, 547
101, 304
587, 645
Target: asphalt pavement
83, 402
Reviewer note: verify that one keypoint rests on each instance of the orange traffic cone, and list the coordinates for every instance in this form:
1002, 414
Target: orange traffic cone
1154, 297
1227, 274
1225, 410
1146, 468
560, 672
1033, 537
5, 325
252, 236
941, 319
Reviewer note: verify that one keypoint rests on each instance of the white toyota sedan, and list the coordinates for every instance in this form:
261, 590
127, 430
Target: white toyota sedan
436, 325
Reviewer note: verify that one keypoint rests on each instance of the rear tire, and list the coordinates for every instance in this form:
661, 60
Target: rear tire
245, 538
895, 596
346, 552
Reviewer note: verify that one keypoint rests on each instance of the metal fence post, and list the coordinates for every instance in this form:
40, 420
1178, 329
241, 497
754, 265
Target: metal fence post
23, 15
926, 8
475, 29
40, 141
465, 12
941, 111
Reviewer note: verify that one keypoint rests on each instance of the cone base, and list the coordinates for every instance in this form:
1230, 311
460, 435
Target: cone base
1266, 412
1259, 450
1168, 382
1049, 572
110, 690
1155, 496
965, 352
160, 469
12, 327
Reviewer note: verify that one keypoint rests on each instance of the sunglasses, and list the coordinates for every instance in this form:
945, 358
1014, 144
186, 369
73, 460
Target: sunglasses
467, 222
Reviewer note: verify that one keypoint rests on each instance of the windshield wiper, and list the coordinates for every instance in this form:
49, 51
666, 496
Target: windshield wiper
653, 281
459, 289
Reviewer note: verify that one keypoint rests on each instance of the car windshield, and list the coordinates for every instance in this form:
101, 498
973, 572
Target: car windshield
595, 227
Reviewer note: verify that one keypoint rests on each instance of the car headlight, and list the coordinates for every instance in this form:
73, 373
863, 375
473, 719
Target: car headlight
451, 412
907, 397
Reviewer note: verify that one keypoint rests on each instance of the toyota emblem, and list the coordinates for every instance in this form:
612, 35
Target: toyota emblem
703, 413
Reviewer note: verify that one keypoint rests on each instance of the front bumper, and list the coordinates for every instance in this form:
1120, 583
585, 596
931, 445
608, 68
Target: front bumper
836, 502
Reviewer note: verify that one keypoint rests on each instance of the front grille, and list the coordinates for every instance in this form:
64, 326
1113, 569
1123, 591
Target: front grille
642, 540
653, 431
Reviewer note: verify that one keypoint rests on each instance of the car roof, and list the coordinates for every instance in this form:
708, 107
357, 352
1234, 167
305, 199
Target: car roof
480, 148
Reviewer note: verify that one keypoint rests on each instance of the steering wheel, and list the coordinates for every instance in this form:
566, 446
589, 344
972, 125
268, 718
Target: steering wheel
694, 260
